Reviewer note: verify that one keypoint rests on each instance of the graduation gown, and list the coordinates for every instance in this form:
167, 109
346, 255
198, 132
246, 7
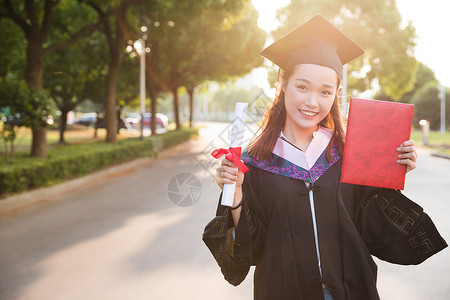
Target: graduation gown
304, 230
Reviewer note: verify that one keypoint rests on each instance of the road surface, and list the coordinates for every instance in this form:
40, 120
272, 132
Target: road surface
123, 238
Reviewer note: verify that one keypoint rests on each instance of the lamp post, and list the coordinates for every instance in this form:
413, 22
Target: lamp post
139, 45
441, 89
140, 48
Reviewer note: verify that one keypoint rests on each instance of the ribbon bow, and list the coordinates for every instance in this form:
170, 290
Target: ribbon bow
233, 154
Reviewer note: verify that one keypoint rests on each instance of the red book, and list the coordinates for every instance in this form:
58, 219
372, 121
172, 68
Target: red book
375, 130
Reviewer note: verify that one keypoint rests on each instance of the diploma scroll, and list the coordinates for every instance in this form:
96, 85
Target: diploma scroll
237, 134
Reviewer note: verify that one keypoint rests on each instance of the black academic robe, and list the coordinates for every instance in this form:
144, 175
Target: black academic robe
275, 233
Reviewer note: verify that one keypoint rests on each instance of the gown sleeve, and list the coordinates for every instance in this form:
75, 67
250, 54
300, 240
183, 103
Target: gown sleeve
394, 228
235, 254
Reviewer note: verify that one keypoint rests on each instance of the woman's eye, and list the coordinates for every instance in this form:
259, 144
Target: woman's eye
326, 93
301, 87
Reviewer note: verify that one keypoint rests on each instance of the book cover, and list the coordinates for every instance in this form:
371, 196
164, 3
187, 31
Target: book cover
375, 130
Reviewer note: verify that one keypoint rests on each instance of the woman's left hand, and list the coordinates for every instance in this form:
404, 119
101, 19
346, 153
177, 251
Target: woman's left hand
407, 155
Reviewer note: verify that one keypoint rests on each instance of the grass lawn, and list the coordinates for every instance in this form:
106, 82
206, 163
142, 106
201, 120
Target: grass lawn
435, 138
86, 135
439, 142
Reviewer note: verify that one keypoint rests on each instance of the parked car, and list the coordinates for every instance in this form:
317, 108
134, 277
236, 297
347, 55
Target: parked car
90, 119
123, 124
87, 119
162, 121
133, 119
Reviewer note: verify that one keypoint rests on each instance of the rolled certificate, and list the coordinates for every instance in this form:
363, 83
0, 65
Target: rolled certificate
237, 134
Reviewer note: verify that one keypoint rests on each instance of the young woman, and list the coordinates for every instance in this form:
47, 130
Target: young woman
310, 236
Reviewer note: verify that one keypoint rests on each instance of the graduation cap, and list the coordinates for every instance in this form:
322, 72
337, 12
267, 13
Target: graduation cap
315, 42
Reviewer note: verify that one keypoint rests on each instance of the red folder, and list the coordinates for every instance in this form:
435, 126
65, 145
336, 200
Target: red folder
375, 129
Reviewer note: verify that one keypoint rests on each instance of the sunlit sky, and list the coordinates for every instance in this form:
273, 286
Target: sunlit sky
430, 18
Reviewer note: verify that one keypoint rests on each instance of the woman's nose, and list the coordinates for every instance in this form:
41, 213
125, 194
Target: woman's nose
311, 101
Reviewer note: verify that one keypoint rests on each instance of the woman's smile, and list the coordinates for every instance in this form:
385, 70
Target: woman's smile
307, 113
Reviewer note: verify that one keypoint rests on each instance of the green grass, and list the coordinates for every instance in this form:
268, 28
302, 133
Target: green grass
435, 138
82, 135
85, 135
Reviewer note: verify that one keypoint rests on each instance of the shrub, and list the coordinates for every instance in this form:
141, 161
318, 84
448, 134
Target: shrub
67, 162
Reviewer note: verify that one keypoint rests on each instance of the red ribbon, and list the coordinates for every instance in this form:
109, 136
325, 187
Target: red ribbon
233, 154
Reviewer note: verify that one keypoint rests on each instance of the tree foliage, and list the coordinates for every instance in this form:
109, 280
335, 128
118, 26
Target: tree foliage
37, 19
423, 76
427, 105
50, 44
199, 40
376, 27
76, 74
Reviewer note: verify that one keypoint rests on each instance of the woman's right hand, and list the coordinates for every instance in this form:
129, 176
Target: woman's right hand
229, 173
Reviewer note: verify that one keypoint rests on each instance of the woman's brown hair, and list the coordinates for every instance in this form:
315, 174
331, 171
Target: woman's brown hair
261, 148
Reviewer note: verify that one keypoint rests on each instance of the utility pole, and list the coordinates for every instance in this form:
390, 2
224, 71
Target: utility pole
441, 89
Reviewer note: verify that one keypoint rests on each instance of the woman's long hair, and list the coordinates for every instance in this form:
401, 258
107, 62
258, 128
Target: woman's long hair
261, 148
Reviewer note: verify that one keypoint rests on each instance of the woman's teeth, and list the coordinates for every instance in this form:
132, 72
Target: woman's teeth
308, 113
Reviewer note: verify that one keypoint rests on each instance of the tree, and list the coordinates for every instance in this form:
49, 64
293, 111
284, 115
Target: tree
128, 83
11, 58
116, 18
19, 105
9, 116
36, 20
12, 51
113, 27
227, 54
209, 40
128, 86
76, 74
423, 76
427, 105
376, 26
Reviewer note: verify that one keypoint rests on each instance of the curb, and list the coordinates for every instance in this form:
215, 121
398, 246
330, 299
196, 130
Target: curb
441, 155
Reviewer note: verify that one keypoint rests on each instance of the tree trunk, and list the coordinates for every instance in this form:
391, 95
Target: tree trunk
5, 143
97, 122
39, 144
175, 108
34, 74
35, 65
116, 55
63, 125
191, 105
110, 102
11, 150
119, 112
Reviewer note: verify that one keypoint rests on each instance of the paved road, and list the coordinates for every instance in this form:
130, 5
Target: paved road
123, 238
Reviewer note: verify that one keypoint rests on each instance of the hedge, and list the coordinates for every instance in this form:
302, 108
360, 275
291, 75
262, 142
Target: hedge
68, 162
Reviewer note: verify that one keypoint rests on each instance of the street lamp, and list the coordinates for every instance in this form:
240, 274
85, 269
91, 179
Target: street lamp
138, 47
441, 89
141, 49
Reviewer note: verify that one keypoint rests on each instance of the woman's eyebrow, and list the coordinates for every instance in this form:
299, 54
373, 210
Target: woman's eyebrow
302, 79
308, 81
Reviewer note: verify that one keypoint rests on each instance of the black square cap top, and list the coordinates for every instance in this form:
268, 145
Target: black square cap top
315, 42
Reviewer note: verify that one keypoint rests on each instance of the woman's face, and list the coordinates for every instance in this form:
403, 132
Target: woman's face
309, 95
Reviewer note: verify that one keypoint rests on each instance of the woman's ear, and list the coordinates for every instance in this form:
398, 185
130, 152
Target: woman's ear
283, 84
